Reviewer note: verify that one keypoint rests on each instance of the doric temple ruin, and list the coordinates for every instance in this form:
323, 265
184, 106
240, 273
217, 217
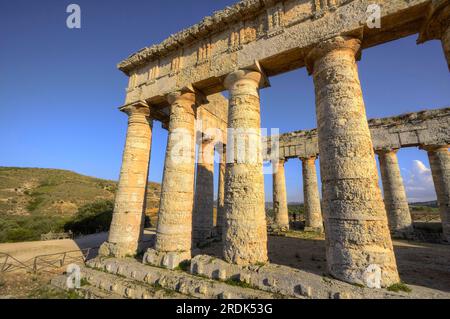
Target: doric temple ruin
178, 82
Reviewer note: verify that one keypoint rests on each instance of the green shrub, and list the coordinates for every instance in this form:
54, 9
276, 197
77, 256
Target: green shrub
92, 218
297, 209
399, 287
28, 228
34, 203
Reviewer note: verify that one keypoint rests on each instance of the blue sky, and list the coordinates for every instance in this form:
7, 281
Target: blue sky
60, 89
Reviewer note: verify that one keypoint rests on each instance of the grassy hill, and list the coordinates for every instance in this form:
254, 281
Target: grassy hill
36, 200
425, 211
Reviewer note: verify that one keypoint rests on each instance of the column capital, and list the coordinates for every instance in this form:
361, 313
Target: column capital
338, 43
308, 159
206, 138
188, 94
279, 161
434, 148
436, 21
139, 107
251, 77
386, 150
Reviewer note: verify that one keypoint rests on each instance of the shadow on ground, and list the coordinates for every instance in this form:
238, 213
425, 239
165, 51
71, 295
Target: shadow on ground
420, 264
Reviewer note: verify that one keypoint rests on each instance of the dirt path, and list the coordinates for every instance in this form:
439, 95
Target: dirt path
28, 250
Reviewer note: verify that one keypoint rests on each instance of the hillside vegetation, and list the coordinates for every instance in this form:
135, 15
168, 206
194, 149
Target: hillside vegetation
35, 201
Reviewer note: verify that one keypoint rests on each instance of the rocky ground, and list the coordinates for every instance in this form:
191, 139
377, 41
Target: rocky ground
29, 286
423, 267
420, 264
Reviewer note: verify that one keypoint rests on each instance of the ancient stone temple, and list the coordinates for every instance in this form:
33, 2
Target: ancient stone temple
179, 83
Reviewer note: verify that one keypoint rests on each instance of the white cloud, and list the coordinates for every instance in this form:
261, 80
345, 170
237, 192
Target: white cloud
419, 183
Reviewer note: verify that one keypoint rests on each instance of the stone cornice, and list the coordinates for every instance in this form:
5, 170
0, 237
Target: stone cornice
410, 118
209, 25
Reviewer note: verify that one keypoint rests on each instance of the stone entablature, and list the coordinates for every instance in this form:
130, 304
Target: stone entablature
214, 117
213, 112
429, 127
276, 33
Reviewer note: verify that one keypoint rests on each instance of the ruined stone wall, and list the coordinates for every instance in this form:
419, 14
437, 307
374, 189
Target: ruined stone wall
429, 127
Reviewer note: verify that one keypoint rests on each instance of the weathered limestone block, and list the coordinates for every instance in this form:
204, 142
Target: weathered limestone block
437, 26
395, 200
280, 206
169, 260
203, 222
285, 281
313, 213
174, 230
439, 158
179, 281
270, 277
356, 227
245, 237
221, 197
129, 207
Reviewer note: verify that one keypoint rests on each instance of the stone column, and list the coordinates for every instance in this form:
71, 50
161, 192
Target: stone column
203, 222
358, 242
128, 218
439, 158
174, 231
395, 200
245, 238
280, 206
313, 213
221, 196
437, 26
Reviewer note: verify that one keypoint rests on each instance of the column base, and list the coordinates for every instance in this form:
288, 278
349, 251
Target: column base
203, 236
403, 234
108, 249
313, 229
278, 228
169, 260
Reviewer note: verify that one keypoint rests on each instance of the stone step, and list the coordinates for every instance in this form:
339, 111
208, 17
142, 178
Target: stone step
86, 291
285, 281
100, 285
129, 288
177, 280
91, 292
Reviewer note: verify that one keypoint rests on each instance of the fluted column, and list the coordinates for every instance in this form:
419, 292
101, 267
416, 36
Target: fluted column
221, 196
358, 242
245, 239
174, 231
280, 206
437, 26
129, 207
395, 200
203, 222
313, 212
439, 158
